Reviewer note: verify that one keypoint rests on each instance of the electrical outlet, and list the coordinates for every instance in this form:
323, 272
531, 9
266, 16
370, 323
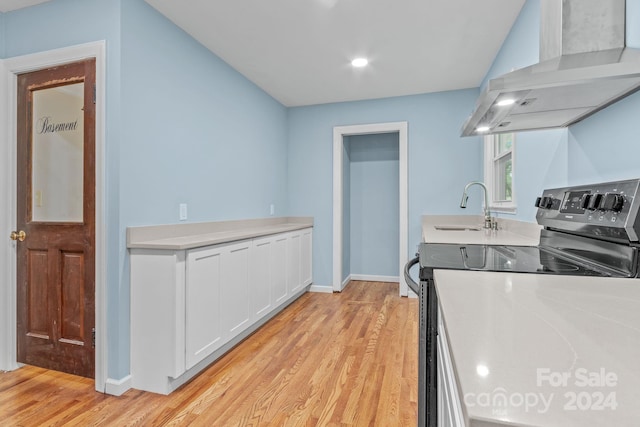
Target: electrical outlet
183, 211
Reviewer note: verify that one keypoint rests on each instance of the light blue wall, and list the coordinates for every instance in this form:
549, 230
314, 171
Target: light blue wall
198, 131
182, 127
606, 146
375, 198
440, 162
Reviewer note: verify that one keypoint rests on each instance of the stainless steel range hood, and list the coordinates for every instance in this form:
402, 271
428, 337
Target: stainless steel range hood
584, 67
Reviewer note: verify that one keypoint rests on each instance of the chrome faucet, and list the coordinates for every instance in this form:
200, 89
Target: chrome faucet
488, 220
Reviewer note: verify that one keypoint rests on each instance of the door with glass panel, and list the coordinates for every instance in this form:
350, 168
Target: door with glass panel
55, 234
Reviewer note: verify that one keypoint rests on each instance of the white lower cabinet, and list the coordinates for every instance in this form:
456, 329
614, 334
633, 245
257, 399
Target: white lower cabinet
449, 401
294, 248
235, 292
306, 245
279, 272
262, 276
217, 296
299, 254
186, 305
203, 324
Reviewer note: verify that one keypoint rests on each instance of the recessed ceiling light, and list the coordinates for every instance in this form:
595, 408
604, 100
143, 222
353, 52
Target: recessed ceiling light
360, 62
506, 102
482, 128
482, 370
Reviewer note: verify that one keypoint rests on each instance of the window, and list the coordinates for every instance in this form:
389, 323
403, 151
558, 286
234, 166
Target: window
499, 155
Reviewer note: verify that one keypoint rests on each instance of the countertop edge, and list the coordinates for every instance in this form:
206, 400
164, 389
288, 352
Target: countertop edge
195, 235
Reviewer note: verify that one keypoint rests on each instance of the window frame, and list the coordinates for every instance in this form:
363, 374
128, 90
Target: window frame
490, 170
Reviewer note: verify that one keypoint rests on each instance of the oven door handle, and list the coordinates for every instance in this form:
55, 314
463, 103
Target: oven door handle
407, 276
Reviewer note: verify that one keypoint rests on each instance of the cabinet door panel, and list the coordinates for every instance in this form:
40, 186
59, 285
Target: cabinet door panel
261, 277
306, 257
235, 289
293, 262
279, 269
203, 327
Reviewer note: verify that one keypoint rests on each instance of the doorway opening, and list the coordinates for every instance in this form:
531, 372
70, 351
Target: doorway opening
342, 139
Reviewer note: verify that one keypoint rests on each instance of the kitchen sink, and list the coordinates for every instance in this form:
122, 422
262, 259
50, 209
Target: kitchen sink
457, 228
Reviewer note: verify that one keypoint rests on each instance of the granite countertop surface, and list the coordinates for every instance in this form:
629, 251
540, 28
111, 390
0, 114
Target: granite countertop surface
467, 229
194, 235
543, 350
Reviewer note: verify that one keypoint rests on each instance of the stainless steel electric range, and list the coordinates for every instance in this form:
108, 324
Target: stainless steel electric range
589, 230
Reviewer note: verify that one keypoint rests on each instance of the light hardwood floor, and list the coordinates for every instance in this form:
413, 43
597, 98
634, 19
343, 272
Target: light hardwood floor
346, 359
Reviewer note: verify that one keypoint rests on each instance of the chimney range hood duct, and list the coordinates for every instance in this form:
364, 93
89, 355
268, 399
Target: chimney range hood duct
584, 67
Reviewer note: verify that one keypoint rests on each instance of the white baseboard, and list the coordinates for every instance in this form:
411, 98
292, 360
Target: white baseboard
345, 282
321, 289
117, 387
374, 278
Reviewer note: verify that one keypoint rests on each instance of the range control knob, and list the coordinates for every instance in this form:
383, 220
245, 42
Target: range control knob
595, 201
547, 202
584, 202
543, 202
613, 202
538, 200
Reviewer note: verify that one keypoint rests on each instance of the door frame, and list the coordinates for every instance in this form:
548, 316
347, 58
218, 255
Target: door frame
339, 132
9, 69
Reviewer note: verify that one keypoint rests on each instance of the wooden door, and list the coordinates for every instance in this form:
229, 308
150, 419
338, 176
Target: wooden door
56, 212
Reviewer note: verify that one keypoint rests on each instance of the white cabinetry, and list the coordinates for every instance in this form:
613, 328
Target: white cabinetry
306, 271
262, 276
190, 306
235, 311
203, 327
299, 269
215, 275
279, 274
449, 402
294, 247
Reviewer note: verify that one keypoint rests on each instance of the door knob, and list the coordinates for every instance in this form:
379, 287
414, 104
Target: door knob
18, 235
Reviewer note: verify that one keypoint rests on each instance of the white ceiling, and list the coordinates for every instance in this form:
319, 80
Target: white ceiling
299, 51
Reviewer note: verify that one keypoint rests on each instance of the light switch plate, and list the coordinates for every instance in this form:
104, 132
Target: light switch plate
183, 211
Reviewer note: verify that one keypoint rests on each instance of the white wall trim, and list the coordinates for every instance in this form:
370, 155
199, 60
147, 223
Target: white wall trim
117, 387
321, 289
7, 310
375, 278
345, 282
339, 132
13, 67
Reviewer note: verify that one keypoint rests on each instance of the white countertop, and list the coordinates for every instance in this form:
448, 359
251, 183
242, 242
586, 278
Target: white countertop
514, 233
194, 235
527, 331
